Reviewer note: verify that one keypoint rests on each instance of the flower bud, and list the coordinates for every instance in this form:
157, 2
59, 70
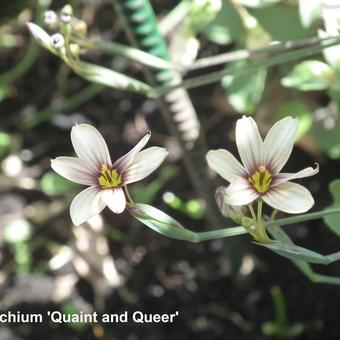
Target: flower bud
232, 211
75, 50
66, 14
57, 41
80, 28
51, 19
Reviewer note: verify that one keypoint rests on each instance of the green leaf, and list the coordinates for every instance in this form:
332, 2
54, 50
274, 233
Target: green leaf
5, 142
226, 27
279, 234
309, 11
326, 131
334, 188
52, 184
297, 109
309, 75
244, 91
160, 222
333, 221
281, 22
104, 76
201, 13
294, 252
127, 52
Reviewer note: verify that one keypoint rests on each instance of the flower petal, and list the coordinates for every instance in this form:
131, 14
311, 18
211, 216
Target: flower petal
284, 177
144, 164
225, 164
240, 192
289, 197
73, 169
123, 162
41, 36
115, 199
90, 146
279, 142
86, 204
249, 143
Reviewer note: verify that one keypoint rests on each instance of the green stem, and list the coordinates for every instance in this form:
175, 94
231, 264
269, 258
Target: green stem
216, 234
305, 217
269, 62
134, 54
225, 58
239, 230
259, 211
252, 212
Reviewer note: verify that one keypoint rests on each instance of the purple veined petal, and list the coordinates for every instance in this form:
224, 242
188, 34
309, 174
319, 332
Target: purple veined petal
86, 204
144, 164
285, 177
74, 169
289, 197
225, 164
240, 192
249, 143
278, 144
114, 199
90, 146
123, 162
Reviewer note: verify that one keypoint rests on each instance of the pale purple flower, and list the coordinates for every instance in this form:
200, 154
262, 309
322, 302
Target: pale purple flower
95, 169
259, 176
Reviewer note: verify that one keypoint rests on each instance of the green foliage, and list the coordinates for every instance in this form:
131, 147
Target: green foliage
293, 252
52, 184
160, 222
281, 22
226, 27
333, 221
327, 136
309, 75
244, 91
5, 142
279, 234
202, 13
280, 328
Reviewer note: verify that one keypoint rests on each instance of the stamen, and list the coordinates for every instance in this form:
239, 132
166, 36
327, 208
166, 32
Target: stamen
109, 178
261, 179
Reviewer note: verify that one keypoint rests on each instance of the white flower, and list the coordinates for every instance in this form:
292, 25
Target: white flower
259, 176
95, 169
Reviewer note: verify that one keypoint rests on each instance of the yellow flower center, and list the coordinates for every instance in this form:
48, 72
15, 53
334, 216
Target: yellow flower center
109, 178
261, 179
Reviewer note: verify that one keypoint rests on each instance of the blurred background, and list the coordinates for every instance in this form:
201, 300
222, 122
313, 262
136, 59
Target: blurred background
223, 289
